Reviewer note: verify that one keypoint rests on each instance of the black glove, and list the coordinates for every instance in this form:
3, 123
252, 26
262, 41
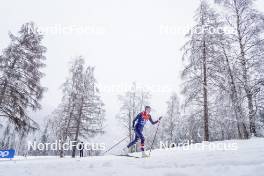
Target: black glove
160, 117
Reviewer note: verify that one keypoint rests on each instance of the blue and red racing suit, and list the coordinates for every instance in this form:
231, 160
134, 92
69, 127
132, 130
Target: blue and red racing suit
140, 121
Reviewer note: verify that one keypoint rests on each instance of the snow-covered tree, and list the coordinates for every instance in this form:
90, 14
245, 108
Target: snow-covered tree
171, 122
20, 75
81, 113
199, 73
248, 48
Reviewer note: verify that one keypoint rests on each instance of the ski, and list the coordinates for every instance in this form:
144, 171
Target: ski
131, 156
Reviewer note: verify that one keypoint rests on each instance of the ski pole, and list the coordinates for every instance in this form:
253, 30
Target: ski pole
154, 138
115, 145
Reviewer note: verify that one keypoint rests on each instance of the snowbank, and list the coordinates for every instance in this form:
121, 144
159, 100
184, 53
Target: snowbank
247, 159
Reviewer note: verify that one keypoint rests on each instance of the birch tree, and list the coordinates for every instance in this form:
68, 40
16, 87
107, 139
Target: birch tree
247, 46
171, 124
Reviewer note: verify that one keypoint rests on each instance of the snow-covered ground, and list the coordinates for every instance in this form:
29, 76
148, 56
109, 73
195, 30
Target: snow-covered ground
247, 160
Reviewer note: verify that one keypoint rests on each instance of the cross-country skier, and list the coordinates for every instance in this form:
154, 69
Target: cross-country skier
140, 121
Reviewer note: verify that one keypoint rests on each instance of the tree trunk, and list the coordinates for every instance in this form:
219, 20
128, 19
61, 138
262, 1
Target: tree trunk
246, 87
65, 133
205, 91
77, 130
242, 130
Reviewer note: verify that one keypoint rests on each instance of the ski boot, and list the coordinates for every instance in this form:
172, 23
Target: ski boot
125, 151
144, 155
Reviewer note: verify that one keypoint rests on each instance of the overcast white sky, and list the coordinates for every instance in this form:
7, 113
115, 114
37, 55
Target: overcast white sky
128, 44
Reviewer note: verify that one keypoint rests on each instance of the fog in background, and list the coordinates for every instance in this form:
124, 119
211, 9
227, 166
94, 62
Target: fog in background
126, 41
